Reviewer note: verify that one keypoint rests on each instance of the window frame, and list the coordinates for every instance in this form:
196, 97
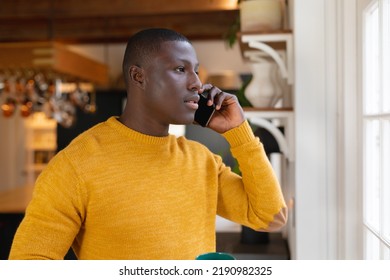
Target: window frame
376, 225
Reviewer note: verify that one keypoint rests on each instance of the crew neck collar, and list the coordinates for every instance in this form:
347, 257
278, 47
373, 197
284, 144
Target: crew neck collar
138, 136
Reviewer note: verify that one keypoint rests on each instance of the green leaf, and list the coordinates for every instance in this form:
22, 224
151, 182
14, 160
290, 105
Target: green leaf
241, 94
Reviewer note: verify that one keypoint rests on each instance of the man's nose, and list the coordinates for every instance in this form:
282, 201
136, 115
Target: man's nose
195, 83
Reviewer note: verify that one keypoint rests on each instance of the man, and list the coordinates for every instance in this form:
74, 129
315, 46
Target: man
126, 189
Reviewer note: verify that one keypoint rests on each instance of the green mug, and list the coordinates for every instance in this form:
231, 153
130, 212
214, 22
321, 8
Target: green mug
215, 256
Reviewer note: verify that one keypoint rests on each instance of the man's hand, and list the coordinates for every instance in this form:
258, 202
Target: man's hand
228, 111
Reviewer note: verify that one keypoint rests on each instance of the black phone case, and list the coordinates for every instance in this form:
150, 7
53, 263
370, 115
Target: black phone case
204, 112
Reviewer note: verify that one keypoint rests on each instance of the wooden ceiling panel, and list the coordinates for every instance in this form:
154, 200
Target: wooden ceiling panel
11, 9
98, 21
93, 8
77, 8
120, 28
24, 30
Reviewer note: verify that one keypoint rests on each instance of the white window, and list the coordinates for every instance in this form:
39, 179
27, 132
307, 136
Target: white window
376, 129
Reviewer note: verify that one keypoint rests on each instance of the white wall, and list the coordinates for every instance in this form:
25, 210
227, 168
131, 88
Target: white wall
327, 194
313, 110
216, 57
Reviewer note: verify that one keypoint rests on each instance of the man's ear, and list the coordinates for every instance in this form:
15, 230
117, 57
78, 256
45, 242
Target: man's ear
137, 76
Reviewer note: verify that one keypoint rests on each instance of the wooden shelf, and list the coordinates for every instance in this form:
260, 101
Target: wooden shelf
257, 32
277, 45
270, 109
42, 147
36, 167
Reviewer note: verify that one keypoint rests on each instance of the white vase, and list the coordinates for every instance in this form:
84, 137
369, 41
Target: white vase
265, 88
261, 15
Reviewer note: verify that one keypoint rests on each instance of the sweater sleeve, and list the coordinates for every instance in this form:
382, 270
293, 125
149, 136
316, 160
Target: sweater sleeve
255, 199
54, 215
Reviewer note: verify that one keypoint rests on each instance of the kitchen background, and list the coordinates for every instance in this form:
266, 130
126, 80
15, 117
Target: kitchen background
314, 130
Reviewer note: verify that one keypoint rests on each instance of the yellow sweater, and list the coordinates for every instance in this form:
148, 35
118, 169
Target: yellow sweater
114, 193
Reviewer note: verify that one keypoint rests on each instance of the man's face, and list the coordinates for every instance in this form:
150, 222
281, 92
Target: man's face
171, 84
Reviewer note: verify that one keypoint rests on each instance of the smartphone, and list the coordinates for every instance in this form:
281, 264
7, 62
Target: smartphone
204, 112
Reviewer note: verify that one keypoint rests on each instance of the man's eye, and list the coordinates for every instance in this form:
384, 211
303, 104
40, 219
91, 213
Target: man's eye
180, 69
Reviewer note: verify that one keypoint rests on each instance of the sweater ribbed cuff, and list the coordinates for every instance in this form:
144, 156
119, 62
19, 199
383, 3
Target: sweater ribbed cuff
239, 135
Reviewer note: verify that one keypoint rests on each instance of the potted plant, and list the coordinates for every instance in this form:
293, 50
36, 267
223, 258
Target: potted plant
257, 15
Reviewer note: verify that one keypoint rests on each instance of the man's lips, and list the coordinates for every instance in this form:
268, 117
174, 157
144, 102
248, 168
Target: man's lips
192, 102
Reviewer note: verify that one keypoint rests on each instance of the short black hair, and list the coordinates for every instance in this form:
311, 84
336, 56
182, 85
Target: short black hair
145, 43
